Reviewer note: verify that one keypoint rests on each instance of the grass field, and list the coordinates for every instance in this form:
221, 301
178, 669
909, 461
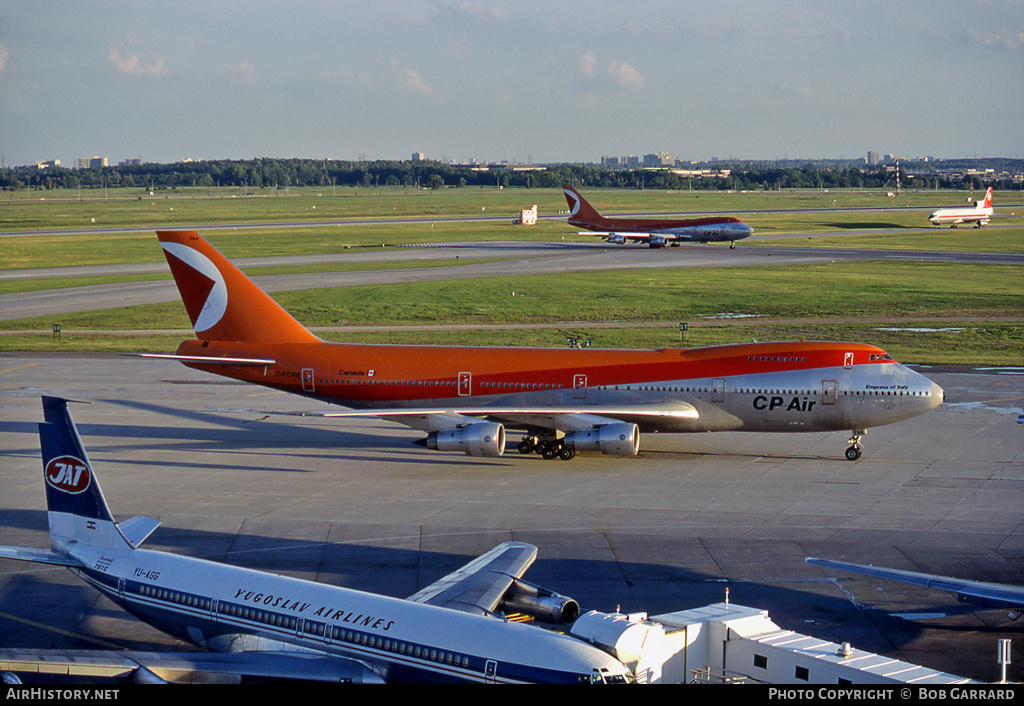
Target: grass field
930, 343
39, 210
969, 313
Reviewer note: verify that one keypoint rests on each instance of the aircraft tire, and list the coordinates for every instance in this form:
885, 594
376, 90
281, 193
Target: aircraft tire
853, 453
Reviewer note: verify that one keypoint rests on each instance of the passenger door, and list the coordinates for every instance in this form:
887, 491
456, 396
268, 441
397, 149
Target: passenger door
828, 391
579, 387
718, 390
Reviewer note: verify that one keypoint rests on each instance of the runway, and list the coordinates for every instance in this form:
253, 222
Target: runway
355, 503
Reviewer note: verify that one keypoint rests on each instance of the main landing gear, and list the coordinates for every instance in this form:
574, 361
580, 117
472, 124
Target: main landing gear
854, 452
549, 449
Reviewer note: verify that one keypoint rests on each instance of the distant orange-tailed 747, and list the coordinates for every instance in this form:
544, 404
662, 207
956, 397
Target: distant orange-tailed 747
656, 232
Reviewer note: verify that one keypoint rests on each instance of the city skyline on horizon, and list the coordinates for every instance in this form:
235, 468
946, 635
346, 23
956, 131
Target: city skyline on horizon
882, 160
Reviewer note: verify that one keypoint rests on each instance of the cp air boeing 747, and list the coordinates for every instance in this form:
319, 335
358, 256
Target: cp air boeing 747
656, 232
564, 400
266, 626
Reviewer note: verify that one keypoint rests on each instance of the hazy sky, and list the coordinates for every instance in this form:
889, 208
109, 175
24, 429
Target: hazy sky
547, 81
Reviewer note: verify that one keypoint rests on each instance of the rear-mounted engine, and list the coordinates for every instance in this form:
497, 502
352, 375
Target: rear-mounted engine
540, 603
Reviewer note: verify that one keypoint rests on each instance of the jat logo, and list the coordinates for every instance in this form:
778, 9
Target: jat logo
68, 473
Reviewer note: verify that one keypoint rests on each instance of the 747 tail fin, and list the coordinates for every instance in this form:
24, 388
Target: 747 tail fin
580, 210
224, 304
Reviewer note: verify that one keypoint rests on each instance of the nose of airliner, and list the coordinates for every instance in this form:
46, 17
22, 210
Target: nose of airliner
925, 386
737, 230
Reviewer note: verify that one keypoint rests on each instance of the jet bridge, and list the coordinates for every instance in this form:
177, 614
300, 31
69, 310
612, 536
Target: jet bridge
731, 643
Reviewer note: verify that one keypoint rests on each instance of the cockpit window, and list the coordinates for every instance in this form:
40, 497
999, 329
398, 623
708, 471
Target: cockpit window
606, 678
880, 356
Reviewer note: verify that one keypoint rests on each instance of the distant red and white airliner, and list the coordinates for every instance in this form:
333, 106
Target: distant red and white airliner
979, 214
564, 400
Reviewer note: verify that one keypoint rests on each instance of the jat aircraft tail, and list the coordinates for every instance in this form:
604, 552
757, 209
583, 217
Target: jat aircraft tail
75, 506
224, 304
80, 521
581, 213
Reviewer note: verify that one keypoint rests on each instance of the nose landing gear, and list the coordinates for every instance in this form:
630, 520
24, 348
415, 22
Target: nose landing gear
853, 453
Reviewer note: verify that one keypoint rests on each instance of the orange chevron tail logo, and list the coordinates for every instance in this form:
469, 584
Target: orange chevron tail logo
222, 303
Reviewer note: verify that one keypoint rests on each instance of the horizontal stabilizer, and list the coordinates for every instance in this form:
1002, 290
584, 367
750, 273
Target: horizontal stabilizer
209, 360
137, 529
37, 556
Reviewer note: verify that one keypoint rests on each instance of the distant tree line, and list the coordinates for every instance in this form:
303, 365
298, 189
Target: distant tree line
268, 173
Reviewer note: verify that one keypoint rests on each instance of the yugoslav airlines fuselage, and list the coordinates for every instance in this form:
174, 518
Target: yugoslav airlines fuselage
231, 609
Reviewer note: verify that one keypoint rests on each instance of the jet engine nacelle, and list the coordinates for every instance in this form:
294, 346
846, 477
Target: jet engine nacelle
618, 439
615, 240
540, 603
481, 439
656, 241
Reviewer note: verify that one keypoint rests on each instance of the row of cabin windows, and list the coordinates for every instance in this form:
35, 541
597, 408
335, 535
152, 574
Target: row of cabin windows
446, 383
644, 388
765, 391
179, 597
400, 383
776, 359
652, 388
312, 628
512, 385
799, 359
855, 393
888, 393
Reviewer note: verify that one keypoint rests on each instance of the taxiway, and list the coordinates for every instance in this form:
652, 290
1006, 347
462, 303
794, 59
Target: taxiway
501, 259
355, 503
